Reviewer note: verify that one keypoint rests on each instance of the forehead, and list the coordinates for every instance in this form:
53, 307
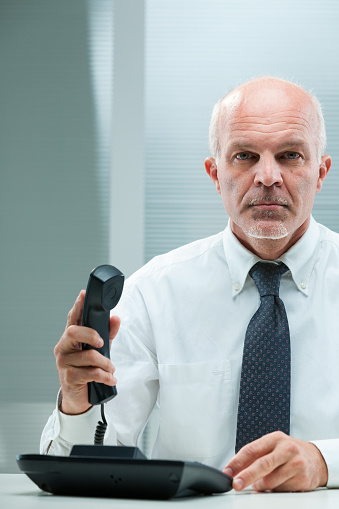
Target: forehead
268, 114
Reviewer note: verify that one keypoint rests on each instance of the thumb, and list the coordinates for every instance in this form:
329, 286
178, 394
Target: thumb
114, 326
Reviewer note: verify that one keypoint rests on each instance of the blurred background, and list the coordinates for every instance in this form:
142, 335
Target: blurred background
104, 116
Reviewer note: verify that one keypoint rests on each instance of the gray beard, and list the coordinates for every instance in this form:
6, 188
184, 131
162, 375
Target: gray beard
276, 232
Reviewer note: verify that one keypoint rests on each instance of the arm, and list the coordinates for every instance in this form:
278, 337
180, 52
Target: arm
132, 352
278, 462
74, 420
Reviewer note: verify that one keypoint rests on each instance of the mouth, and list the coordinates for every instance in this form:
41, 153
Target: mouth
268, 203
268, 206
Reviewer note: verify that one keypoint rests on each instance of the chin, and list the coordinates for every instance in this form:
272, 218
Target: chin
265, 231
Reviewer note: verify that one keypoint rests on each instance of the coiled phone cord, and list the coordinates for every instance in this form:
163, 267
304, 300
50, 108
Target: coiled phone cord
101, 428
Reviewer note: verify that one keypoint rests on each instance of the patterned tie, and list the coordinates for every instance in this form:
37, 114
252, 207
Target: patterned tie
264, 401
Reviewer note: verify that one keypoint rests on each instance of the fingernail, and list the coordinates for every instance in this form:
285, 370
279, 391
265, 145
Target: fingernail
228, 471
100, 342
238, 484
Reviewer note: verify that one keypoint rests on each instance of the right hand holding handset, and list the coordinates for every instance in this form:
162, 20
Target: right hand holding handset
76, 366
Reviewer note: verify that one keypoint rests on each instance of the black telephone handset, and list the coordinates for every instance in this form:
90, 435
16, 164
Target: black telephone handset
104, 289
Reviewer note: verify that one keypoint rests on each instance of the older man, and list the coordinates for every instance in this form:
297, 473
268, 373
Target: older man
234, 336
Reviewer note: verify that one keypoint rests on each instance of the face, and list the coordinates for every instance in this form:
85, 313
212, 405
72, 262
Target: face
268, 172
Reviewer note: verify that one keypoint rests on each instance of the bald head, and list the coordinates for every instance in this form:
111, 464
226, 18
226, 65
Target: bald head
268, 98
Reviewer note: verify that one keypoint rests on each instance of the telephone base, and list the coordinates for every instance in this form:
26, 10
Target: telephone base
106, 474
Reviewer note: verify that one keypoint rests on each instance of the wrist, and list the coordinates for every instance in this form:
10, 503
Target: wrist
323, 470
68, 409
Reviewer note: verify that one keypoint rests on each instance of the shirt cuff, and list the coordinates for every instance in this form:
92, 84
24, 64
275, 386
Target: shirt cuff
78, 429
330, 452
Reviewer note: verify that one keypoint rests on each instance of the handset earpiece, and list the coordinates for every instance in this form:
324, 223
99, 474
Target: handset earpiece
104, 289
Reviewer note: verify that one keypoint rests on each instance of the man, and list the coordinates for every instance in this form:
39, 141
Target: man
184, 316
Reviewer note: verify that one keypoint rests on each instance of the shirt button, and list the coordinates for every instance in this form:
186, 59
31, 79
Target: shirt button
237, 287
303, 285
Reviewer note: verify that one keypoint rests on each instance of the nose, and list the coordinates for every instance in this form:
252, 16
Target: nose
268, 172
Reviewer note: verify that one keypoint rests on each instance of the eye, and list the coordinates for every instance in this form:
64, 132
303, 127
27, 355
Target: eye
292, 155
243, 156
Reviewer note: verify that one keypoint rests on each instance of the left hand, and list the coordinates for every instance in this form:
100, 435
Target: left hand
278, 462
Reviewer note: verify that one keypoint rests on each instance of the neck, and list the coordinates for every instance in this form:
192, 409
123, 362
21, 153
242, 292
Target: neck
269, 249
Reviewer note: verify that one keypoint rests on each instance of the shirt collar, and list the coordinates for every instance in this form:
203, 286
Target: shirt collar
299, 259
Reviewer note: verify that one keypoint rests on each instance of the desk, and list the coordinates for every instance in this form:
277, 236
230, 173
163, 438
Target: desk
19, 492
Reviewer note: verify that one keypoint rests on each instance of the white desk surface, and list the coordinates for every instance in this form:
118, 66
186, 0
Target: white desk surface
17, 491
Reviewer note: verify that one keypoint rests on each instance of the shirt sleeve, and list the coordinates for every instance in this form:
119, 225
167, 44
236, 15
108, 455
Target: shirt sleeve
330, 452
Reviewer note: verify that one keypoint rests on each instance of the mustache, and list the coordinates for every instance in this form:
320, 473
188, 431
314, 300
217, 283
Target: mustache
267, 199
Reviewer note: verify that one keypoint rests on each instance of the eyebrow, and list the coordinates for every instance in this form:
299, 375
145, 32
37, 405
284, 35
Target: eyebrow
286, 145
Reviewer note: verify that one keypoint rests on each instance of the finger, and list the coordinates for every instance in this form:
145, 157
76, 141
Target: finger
81, 376
293, 483
252, 451
74, 336
75, 315
88, 358
281, 479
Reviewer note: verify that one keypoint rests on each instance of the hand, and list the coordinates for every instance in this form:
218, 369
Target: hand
77, 367
278, 462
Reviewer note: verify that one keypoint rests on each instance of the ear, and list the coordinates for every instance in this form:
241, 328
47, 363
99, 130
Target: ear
324, 167
212, 171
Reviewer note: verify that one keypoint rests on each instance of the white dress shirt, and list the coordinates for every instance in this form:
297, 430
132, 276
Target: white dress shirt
183, 321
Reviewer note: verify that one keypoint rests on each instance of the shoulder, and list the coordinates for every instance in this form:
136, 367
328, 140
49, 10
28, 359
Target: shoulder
199, 252
328, 237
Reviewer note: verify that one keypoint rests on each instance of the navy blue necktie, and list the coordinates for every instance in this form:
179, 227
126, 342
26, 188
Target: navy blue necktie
264, 401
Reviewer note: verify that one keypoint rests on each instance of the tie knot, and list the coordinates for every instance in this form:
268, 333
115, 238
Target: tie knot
267, 277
